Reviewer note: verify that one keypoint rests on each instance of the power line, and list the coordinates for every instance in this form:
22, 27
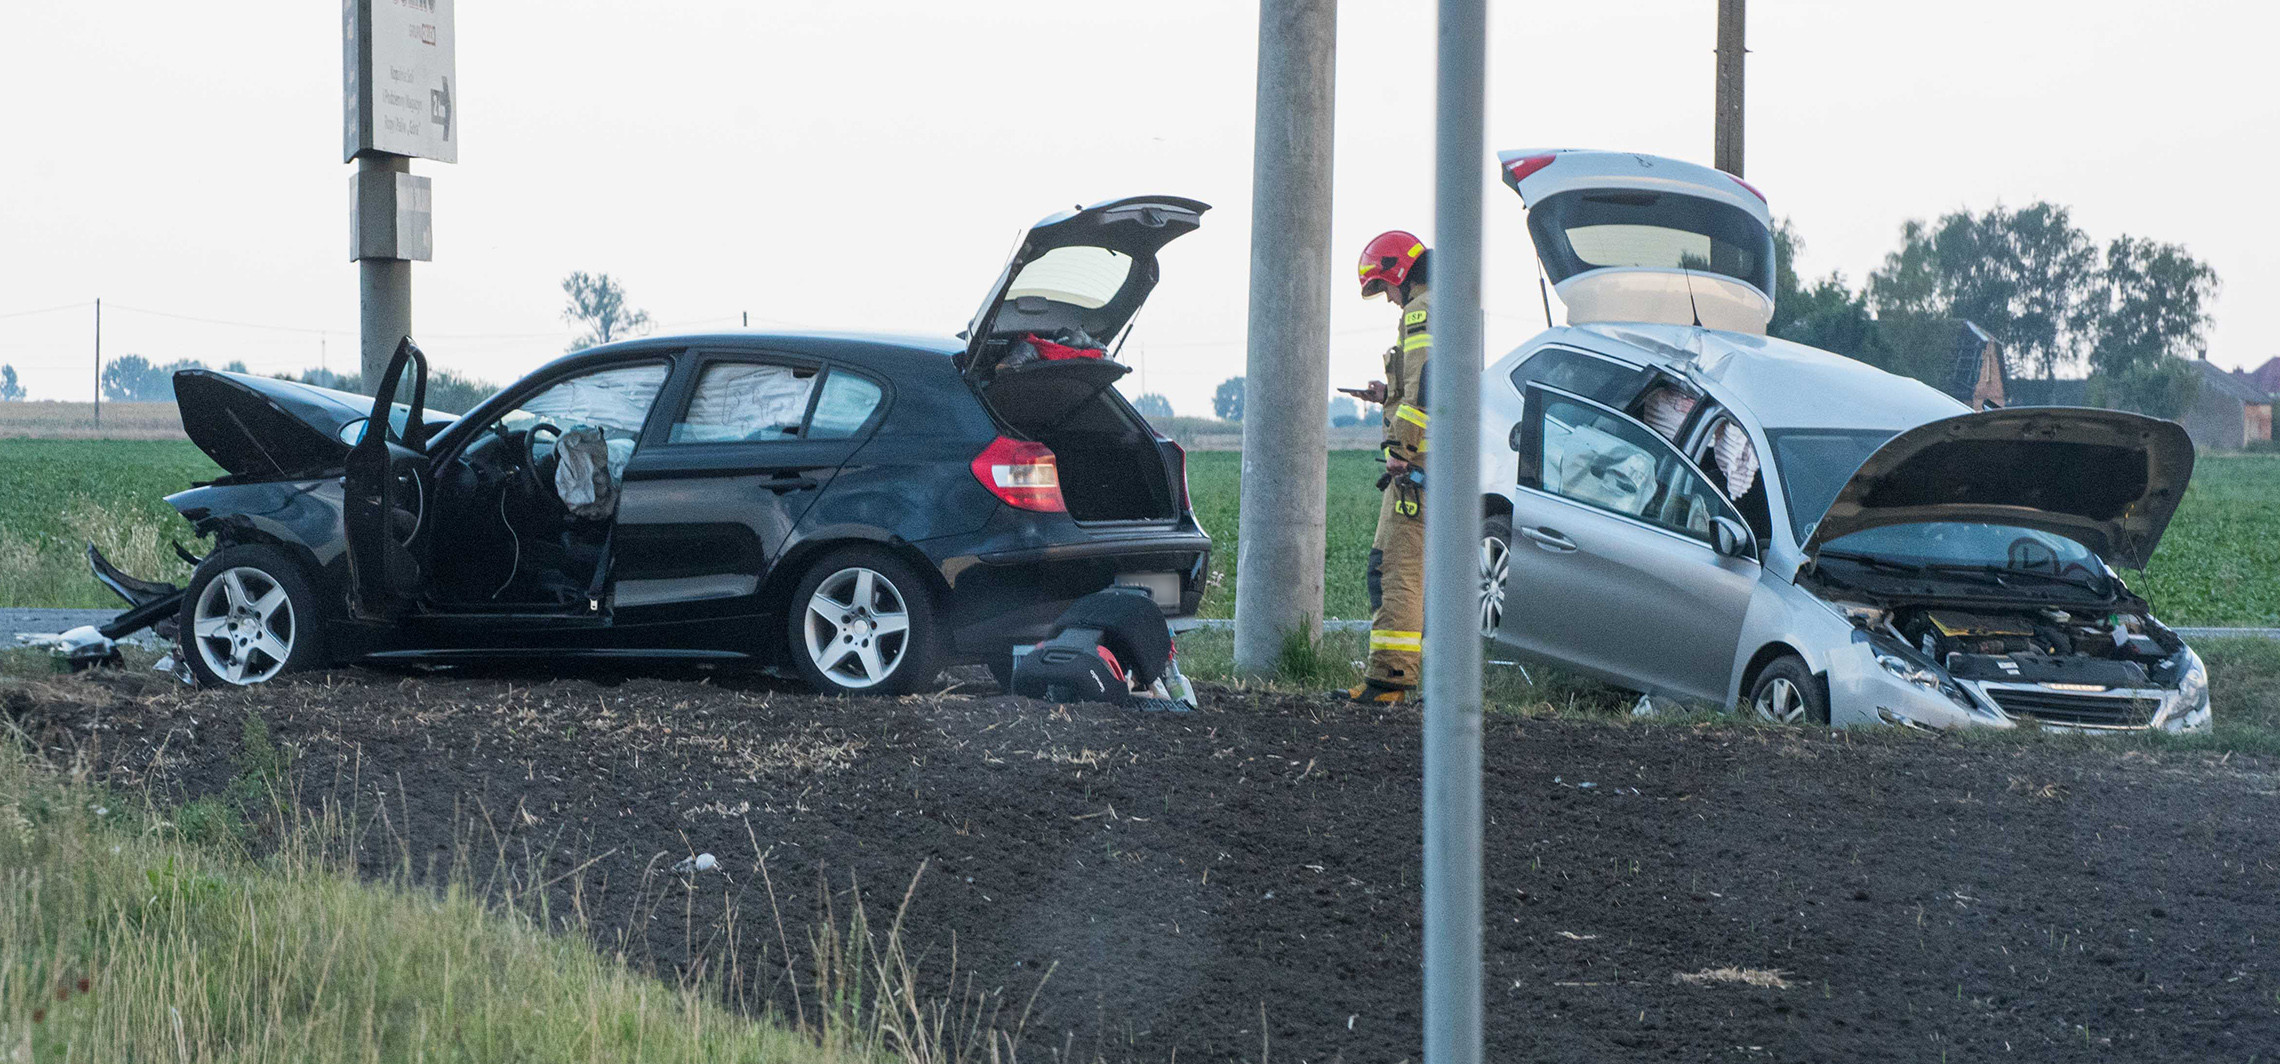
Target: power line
45, 310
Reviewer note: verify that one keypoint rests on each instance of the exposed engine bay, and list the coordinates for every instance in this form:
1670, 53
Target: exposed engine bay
2123, 649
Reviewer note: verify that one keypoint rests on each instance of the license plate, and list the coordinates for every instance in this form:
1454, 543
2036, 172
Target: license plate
1163, 587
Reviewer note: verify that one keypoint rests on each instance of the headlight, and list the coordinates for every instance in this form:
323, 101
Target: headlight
2188, 706
1920, 675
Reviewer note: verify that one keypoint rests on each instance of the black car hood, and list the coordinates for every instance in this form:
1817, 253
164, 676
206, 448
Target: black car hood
2103, 478
262, 426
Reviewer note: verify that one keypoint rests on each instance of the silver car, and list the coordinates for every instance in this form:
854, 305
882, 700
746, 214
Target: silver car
1710, 514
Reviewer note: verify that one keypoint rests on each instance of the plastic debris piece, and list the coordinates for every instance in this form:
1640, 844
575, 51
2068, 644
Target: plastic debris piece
703, 862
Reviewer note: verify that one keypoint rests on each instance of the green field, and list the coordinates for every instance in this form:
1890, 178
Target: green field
2218, 565
55, 495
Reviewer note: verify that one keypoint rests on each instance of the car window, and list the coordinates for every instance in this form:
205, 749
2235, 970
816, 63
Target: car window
1589, 229
1814, 465
1079, 275
1603, 459
1587, 375
846, 403
616, 401
746, 402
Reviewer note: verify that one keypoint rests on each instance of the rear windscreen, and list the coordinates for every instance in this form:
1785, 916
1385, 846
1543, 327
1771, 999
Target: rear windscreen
1591, 229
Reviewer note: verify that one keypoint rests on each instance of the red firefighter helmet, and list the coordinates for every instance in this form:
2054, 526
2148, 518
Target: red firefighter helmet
1387, 258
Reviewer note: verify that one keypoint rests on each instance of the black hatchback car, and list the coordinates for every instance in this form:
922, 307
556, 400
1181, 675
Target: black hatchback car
864, 509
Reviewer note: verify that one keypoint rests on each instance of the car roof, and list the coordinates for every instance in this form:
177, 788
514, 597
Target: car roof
1779, 384
889, 353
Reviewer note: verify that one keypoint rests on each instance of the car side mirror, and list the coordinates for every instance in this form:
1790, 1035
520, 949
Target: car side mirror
1730, 539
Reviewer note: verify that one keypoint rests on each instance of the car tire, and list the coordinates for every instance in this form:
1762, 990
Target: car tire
1495, 570
1002, 672
249, 616
863, 622
1787, 693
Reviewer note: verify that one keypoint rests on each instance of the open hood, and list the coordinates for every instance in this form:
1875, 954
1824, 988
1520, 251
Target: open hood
1090, 268
2103, 478
265, 426
1640, 238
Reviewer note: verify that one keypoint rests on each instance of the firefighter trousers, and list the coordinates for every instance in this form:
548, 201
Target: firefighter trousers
1397, 592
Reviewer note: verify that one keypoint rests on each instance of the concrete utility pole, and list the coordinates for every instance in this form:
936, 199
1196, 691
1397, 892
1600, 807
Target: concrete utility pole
383, 285
1453, 992
1727, 155
98, 363
1287, 376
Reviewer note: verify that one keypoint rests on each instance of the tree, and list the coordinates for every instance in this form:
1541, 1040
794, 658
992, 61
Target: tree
1227, 402
134, 379
597, 302
1343, 412
2028, 277
1153, 405
1828, 315
10, 391
2151, 315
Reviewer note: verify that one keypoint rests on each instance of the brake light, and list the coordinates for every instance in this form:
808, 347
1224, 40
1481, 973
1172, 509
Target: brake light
1522, 168
1021, 473
1751, 187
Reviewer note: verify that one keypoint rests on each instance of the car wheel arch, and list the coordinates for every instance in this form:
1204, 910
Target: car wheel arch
1767, 655
1493, 504
785, 574
240, 531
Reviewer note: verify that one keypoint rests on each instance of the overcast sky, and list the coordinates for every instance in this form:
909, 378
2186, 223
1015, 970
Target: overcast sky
868, 165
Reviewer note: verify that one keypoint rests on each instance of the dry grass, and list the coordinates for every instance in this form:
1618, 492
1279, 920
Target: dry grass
76, 421
1764, 978
133, 931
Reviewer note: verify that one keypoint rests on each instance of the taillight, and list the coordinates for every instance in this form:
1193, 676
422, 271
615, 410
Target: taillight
1521, 168
1179, 458
1751, 187
1022, 474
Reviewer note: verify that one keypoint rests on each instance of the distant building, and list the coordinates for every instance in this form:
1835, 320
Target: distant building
2267, 376
1975, 376
2230, 411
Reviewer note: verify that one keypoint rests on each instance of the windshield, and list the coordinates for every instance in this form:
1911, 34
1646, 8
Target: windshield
1970, 545
1590, 229
1815, 464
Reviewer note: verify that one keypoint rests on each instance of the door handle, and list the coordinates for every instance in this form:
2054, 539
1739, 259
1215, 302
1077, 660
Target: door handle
782, 484
1549, 539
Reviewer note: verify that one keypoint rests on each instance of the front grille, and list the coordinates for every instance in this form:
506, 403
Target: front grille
2058, 707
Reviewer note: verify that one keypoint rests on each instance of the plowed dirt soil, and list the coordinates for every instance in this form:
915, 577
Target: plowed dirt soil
1242, 882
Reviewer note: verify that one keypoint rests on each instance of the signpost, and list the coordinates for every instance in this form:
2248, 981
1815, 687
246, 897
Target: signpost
399, 79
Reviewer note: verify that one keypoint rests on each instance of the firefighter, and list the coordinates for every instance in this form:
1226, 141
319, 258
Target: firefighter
1394, 264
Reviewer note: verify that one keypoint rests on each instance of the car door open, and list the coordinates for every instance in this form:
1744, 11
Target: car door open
387, 495
1626, 562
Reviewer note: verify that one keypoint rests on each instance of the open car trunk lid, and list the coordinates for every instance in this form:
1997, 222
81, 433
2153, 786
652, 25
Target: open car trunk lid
1075, 282
1640, 238
2104, 478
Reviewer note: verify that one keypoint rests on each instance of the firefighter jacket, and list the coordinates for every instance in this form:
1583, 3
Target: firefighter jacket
1405, 381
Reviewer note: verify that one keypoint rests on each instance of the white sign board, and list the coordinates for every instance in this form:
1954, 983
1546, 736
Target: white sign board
400, 78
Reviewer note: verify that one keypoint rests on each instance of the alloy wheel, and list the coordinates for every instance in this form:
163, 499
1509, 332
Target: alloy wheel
243, 625
857, 628
1780, 702
1495, 565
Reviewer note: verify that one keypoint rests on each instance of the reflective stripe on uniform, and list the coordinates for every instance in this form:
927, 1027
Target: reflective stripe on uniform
1386, 639
1412, 343
1410, 414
